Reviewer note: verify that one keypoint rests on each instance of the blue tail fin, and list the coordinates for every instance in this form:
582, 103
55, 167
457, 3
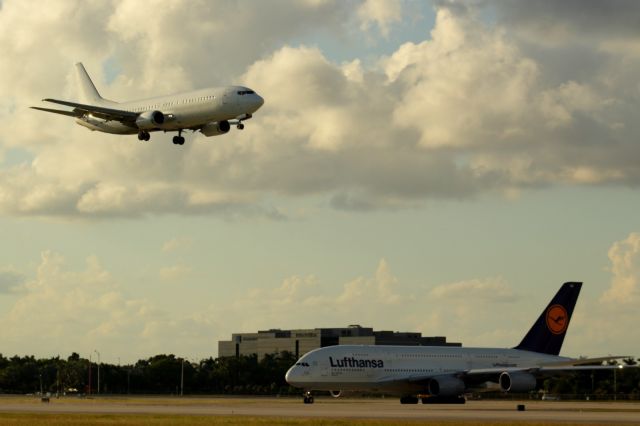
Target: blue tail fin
547, 334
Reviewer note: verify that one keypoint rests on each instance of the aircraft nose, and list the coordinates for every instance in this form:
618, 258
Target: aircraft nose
290, 376
259, 101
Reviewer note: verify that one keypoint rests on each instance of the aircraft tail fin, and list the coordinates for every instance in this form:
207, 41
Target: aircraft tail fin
547, 334
87, 88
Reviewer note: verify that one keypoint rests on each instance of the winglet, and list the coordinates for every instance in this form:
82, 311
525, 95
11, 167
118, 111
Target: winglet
547, 334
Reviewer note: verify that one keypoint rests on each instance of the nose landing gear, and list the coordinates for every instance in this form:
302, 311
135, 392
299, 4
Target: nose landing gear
308, 398
239, 119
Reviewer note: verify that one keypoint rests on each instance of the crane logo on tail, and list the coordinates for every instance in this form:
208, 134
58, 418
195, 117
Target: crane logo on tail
557, 319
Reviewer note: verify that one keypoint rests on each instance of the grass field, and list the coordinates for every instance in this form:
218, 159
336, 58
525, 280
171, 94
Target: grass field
187, 411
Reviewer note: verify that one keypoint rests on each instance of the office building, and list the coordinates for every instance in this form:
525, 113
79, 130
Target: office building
301, 341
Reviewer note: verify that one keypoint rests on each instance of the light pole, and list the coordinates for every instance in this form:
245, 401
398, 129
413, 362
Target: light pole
98, 370
615, 383
182, 378
89, 388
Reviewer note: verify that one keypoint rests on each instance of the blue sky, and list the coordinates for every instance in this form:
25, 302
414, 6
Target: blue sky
423, 166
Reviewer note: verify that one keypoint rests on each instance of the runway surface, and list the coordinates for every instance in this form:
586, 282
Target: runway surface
504, 411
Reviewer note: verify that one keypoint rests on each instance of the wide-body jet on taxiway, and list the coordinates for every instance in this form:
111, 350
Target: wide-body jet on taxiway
445, 374
211, 111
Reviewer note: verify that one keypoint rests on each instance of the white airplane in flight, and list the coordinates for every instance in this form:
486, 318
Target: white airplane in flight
444, 374
211, 111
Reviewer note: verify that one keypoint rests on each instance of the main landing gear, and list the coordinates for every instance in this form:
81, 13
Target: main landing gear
143, 136
308, 398
178, 140
408, 400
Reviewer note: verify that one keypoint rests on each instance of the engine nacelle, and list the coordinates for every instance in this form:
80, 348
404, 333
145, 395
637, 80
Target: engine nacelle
150, 120
517, 382
446, 386
215, 128
336, 394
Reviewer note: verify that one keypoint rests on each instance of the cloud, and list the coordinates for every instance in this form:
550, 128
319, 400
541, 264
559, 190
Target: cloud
311, 303
472, 311
468, 111
382, 13
570, 21
491, 289
63, 309
174, 273
624, 257
178, 243
606, 321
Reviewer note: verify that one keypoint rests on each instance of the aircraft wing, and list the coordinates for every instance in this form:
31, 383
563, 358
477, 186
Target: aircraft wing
477, 376
480, 374
97, 111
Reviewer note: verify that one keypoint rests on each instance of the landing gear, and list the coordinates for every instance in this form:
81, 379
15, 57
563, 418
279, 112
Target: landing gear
239, 119
143, 136
460, 399
308, 398
178, 140
408, 400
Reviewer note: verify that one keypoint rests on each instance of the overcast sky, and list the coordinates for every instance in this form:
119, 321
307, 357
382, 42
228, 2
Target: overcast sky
439, 167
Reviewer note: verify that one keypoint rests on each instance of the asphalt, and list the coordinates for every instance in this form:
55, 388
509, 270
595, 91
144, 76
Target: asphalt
504, 411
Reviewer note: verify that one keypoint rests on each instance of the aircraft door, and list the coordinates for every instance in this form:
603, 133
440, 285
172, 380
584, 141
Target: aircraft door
323, 367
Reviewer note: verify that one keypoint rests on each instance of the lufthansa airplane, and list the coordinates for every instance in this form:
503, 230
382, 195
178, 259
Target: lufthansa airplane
211, 111
444, 374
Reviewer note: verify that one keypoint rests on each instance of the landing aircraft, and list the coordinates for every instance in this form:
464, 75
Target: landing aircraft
211, 111
444, 374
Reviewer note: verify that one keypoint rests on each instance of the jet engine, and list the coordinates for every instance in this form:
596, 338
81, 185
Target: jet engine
215, 128
150, 120
517, 382
446, 386
336, 394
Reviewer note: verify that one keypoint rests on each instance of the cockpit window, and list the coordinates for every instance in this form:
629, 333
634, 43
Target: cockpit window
302, 364
245, 92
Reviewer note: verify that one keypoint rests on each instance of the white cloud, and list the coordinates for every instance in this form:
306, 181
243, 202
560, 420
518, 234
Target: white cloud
491, 289
465, 86
625, 269
381, 289
604, 325
382, 13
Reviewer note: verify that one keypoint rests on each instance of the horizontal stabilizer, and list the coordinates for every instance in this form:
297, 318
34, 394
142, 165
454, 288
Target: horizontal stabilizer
59, 111
98, 111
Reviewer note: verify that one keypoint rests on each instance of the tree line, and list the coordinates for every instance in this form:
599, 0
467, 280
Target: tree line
171, 375
160, 374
